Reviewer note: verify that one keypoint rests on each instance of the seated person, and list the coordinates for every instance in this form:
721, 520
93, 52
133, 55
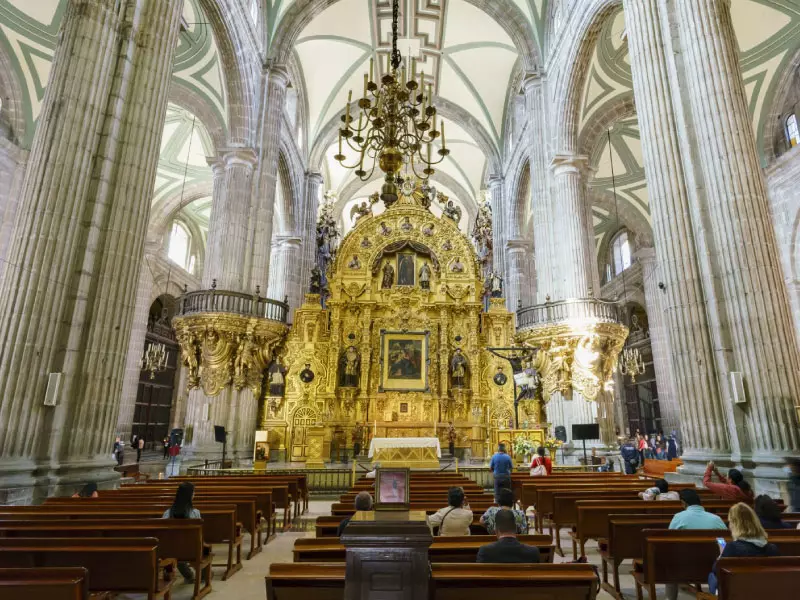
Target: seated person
507, 548
87, 491
363, 502
182, 508
659, 492
694, 516
456, 518
733, 487
769, 513
749, 539
505, 500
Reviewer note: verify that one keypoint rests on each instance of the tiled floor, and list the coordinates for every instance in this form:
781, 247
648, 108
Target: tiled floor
248, 584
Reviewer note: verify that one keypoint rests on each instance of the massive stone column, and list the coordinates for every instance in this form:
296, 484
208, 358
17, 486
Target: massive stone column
575, 251
659, 340
754, 316
308, 231
273, 101
692, 361
499, 233
67, 301
518, 280
540, 175
212, 264
284, 278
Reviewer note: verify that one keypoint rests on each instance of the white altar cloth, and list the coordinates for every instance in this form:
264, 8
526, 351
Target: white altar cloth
409, 442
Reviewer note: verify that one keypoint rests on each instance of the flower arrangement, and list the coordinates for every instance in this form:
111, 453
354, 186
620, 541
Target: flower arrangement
523, 446
552, 443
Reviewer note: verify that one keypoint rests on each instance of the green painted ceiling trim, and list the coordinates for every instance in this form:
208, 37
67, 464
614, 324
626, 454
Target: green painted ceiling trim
45, 34
28, 52
588, 106
465, 80
198, 76
335, 38
336, 87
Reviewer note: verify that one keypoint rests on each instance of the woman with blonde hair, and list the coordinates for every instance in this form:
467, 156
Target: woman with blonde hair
749, 539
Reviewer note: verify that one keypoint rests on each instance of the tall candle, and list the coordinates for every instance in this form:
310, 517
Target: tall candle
375, 428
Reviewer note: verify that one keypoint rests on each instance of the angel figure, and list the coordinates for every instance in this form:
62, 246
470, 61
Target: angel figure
452, 212
360, 210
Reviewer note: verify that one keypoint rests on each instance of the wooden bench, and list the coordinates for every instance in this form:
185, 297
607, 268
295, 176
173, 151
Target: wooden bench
748, 578
449, 581
683, 556
327, 526
180, 539
297, 484
657, 468
55, 583
457, 549
219, 523
593, 516
114, 564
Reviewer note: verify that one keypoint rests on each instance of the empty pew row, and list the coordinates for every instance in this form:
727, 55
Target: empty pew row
747, 578
326, 581
56, 583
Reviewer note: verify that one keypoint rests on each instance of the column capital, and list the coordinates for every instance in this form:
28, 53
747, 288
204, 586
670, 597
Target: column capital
533, 79
288, 240
645, 255
569, 163
315, 177
495, 181
519, 244
217, 164
247, 157
278, 74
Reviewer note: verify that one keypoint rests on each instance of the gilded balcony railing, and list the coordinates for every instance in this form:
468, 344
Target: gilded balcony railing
552, 313
237, 303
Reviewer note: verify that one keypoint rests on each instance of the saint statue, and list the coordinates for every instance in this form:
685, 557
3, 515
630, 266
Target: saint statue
457, 266
349, 364
458, 369
315, 286
388, 276
276, 380
425, 277
497, 285
385, 229
406, 225
355, 263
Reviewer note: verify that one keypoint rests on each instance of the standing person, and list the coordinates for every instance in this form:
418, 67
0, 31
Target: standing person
793, 486
507, 548
182, 508
139, 448
630, 456
672, 446
165, 442
541, 465
118, 454
641, 447
452, 435
501, 467
732, 487
749, 539
357, 435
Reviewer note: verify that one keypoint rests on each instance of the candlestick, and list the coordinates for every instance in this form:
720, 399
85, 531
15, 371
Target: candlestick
340, 142
371, 69
413, 68
365, 85
444, 143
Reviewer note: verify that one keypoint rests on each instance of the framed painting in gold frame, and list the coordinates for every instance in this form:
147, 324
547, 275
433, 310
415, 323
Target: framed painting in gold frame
404, 361
392, 488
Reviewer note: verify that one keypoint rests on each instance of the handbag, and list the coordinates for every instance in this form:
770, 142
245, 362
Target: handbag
539, 470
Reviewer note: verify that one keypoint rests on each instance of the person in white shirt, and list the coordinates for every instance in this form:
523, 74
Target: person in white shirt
456, 518
659, 492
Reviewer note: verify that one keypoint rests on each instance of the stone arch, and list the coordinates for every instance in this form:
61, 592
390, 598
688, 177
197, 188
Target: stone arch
592, 132
521, 197
773, 140
285, 211
162, 213
188, 99
12, 113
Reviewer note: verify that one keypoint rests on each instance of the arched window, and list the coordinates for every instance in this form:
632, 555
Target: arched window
792, 130
620, 258
180, 246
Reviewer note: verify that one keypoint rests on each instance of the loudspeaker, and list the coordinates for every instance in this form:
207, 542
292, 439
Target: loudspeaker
561, 433
586, 432
176, 437
219, 434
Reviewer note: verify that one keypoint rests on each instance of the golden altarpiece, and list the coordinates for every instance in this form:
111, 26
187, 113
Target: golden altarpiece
399, 350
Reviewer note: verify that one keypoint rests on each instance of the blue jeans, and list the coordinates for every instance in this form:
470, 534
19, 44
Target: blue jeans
501, 481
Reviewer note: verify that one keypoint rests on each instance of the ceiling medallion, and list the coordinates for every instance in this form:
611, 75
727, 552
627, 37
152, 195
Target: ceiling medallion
396, 124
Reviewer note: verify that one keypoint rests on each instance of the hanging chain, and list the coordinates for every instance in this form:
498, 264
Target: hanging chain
396, 58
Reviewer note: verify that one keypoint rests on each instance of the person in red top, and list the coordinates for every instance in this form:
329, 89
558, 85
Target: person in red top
540, 460
732, 487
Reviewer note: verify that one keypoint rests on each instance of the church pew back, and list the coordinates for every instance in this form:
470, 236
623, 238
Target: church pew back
747, 578
43, 583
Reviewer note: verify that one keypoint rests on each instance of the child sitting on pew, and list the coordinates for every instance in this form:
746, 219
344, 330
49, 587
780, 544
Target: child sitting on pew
182, 508
749, 539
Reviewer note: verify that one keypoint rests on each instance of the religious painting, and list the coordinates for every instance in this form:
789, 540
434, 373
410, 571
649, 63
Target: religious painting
404, 407
404, 361
392, 487
406, 269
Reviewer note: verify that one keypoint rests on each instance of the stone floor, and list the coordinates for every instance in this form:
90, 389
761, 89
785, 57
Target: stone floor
248, 584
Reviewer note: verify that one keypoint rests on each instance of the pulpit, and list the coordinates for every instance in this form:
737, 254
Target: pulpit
387, 555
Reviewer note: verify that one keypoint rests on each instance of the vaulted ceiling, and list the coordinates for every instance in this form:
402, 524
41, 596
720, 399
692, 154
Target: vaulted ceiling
768, 32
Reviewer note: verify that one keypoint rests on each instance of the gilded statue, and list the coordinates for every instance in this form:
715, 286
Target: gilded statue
358, 211
457, 266
458, 369
388, 276
425, 277
350, 362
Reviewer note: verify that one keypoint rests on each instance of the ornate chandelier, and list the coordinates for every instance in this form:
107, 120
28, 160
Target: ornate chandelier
396, 124
631, 363
154, 359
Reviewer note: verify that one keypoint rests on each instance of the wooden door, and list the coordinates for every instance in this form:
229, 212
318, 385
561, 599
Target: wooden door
302, 420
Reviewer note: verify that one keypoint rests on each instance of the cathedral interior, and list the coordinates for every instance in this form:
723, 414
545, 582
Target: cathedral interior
591, 218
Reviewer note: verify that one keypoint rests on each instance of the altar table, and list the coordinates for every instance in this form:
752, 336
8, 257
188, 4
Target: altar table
419, 453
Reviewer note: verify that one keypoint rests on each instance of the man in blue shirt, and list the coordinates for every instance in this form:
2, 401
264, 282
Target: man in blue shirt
501, 467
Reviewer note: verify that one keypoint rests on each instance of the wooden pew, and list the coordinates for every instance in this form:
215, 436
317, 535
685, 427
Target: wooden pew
246, 512
180, 539
313, 581
461, 549
114, 564
297, 484
684, 556
593, 516
219, 523
748, 578
53, 583
326, 526
657, 468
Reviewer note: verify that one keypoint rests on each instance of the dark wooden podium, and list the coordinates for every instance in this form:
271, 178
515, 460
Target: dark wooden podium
387, 556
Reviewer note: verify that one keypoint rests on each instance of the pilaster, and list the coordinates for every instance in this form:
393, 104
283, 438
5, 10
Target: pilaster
308, 230
498, 223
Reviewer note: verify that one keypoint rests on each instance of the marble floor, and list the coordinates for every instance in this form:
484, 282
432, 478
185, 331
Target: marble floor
248, 584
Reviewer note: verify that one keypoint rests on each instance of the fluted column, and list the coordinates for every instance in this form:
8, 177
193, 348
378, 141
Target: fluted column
284, 278
754, 314
273, 101
540, 175
518, 280
692, 361
575, 250
67, 302
498, 224
659, 340
308, 228
228, 238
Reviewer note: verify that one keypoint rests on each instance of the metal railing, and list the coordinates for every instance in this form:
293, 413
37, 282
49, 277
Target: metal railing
247, 305
319, 481
551, 313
